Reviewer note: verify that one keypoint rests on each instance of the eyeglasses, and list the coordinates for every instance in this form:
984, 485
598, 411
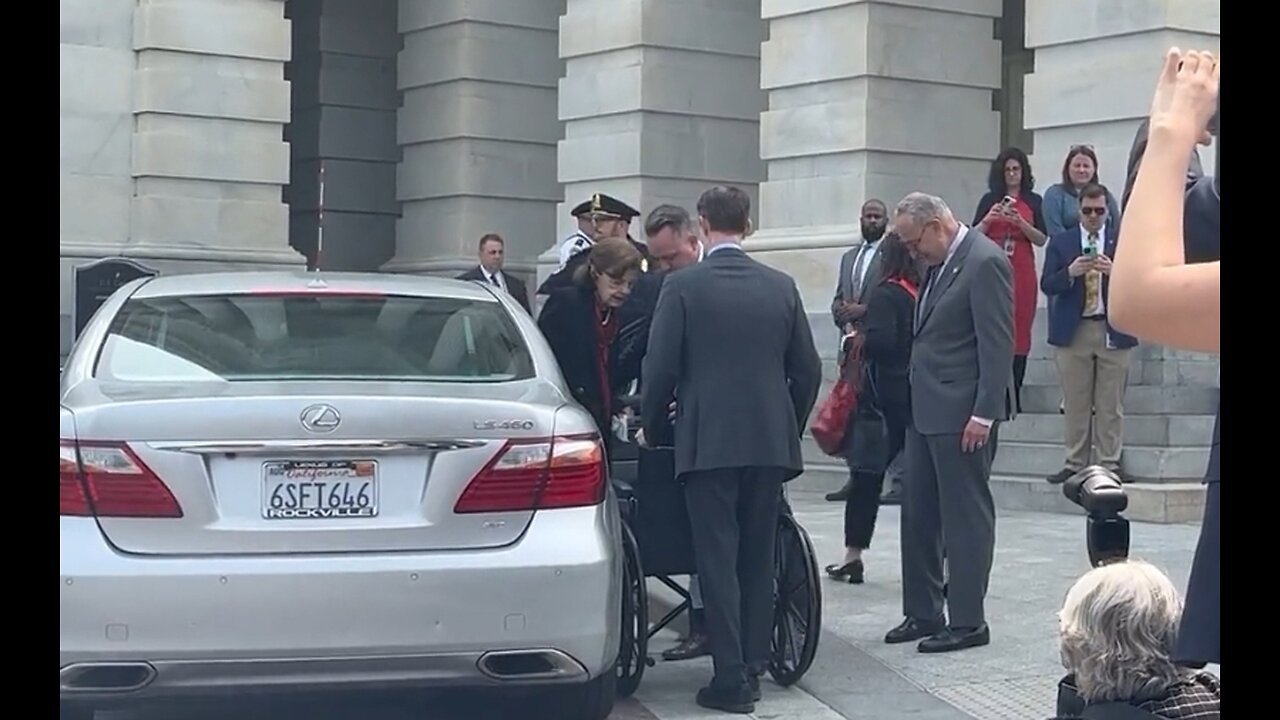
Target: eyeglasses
1093, 211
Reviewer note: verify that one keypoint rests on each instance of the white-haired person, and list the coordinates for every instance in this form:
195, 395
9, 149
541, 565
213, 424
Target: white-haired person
1118, 630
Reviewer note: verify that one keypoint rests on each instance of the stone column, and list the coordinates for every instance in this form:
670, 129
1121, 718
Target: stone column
344, 117
869, 100
477, 131
170, 151
1096, 68
210, 104
660, 99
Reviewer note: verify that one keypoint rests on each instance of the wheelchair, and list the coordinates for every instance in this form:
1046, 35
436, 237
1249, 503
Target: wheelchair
657, 544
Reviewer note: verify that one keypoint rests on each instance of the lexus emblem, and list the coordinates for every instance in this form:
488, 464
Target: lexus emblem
321, 418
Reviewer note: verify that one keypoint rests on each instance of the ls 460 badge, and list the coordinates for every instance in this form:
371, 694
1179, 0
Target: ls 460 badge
503, 424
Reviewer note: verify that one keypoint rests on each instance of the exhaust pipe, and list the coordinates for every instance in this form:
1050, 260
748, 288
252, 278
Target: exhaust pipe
121, 677
524, 665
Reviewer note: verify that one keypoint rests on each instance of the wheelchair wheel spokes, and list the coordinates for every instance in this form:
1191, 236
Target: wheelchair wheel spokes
633, 652
797, 604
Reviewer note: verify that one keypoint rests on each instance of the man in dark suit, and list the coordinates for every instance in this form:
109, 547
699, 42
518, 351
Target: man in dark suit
731, 341
489, 271
1092, 356
961, 377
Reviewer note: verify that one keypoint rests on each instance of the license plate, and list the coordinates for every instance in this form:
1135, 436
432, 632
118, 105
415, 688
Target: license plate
319, 490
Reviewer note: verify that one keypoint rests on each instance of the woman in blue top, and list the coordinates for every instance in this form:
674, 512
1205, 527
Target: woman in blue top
1062, 200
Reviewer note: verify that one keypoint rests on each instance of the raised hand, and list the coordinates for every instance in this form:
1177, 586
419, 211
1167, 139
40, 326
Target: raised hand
1186, 95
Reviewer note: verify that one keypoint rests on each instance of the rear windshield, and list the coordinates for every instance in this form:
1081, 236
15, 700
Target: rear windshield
313, 337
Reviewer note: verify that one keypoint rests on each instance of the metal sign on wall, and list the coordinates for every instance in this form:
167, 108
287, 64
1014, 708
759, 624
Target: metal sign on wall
94, 282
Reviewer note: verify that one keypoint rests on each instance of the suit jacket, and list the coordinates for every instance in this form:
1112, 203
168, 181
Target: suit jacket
731, 343
844, 282
515, 286
1066, 294
962, 358
568, 322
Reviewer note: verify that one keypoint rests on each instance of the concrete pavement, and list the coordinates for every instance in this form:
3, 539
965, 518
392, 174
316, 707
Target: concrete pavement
856, 675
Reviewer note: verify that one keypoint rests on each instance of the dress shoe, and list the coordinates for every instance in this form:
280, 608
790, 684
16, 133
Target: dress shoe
1061, 476
851, 572
911, 630
952, 639
696, 645
737, 700
753, 681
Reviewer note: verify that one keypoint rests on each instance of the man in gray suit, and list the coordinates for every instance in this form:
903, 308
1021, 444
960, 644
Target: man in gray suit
961, 375
731, 345
859, 272
860, 267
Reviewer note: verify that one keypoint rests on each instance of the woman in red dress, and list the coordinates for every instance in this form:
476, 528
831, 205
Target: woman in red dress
1010, 214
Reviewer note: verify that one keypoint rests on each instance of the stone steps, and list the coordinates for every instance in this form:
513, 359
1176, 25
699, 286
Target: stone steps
1138, 399
1170, 430
1148, 502
1141, 463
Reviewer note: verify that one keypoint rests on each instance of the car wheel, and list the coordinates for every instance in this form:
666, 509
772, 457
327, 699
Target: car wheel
74, 712
590, 701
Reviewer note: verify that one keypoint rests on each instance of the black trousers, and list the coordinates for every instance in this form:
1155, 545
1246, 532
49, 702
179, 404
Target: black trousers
736, 511
862, 507
1019, 373
1199, 639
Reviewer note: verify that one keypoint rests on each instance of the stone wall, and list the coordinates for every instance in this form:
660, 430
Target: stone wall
1095, 70
477, 131
170, 149
660, 99
869, 99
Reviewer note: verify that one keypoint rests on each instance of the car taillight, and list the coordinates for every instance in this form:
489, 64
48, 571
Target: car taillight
108, 480
562, 472
72, 499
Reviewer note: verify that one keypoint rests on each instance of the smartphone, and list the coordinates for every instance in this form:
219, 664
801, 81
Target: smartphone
1091, 251
1007, 201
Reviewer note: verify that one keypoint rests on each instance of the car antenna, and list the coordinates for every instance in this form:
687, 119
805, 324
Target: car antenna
317, 281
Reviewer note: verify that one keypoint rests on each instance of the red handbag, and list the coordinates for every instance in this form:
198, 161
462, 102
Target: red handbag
832, 423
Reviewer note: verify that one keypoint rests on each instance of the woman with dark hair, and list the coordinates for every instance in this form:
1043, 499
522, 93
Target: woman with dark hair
878, 429
1062, 200
580, 323
1011, 214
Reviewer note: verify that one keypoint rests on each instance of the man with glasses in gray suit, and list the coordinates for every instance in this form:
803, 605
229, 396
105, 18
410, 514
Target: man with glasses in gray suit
961, 377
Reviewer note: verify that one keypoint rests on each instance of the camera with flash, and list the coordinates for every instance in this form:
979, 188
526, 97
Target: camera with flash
1099, 492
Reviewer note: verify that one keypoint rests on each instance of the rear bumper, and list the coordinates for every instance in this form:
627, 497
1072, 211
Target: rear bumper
224, 624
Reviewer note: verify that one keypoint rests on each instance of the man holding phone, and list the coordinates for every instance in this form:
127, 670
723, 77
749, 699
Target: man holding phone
1092, 356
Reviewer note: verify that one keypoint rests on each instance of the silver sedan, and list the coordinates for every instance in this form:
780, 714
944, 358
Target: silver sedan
291, 480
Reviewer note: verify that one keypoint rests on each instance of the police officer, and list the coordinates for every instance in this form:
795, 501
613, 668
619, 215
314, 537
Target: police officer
600, 217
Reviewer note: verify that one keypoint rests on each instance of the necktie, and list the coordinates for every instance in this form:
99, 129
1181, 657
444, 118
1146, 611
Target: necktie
930, 277
1092, 282
857, 269
494, 279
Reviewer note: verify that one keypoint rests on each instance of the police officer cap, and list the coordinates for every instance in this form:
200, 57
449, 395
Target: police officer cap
601, 204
